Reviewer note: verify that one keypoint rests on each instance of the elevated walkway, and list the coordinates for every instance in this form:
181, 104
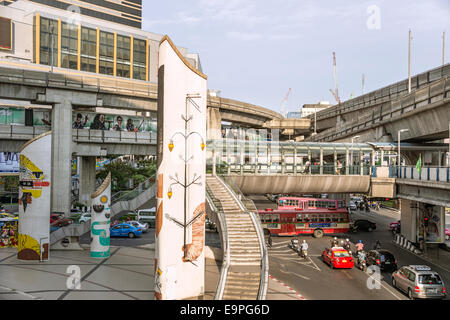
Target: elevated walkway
85, 142
244, 269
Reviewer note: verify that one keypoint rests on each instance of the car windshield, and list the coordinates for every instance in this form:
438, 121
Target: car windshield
429, 279
341, 254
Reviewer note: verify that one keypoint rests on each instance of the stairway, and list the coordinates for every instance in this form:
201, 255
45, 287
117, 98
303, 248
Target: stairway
244, 273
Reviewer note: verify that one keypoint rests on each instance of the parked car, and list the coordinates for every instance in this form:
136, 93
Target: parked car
394, 225
85, 217
125, 230
337, 257
352, 206
419, 281
383, 259
366, 225
139, 225
57, 219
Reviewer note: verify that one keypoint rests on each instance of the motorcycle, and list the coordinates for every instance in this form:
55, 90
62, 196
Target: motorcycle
348, 248
362, 264
294, 245
304, 254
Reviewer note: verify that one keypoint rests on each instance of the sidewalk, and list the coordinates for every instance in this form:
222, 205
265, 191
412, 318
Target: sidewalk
128, 274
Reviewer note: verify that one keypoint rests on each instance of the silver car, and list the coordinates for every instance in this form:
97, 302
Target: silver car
419, 281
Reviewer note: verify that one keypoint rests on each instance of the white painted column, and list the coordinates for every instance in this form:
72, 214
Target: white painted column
34, 199
100, 220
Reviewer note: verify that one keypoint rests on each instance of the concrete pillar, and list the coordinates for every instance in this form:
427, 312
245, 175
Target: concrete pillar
321, 161
214, 125
408, 219
61, 185
87, 167
347, 164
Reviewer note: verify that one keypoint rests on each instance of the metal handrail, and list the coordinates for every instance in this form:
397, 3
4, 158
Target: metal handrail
130, 195
249, 207
225, 242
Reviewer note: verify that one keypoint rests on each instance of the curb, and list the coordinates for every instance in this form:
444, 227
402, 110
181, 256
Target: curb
290, 289
422, 257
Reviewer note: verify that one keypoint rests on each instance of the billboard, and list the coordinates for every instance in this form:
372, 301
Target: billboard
9, 162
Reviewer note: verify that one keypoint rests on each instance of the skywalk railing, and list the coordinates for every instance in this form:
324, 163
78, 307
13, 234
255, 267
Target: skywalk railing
130, 195
431, 174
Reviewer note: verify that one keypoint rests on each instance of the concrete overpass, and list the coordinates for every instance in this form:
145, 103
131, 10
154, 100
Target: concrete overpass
365, 105
425, 112
85, 142
34, 83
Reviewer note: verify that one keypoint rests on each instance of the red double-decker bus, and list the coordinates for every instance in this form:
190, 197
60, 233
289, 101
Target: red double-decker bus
296, 216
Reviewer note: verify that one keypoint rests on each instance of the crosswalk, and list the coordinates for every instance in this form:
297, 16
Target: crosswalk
281, 251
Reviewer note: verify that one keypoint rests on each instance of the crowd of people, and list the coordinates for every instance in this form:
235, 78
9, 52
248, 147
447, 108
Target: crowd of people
99, 123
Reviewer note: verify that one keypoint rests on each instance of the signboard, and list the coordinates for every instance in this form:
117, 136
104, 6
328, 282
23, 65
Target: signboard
435, 231
9, 162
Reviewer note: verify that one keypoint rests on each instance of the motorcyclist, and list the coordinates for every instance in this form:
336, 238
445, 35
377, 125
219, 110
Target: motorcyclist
304, 247
359, 246
361, 257
334, 242
347, 244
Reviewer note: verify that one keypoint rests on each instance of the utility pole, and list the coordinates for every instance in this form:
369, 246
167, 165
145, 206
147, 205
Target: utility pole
363, 83
443, 48
409, 63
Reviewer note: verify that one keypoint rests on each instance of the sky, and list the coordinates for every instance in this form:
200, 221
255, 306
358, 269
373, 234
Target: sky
255, 50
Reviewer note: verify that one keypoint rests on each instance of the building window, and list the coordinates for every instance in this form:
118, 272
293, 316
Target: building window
123, 56
139, 59
88, 49
49, 42
106, 50
69, 46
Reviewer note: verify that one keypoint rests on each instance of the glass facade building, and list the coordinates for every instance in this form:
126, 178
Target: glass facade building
84, 48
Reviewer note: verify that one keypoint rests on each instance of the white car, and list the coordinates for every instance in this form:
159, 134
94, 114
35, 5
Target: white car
85, 217
352, 206
137, 224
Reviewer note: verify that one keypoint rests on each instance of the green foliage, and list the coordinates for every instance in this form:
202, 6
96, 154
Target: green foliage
121, 172
11, 183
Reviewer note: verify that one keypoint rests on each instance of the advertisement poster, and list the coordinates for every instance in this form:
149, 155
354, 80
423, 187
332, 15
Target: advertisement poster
99, 121
8, 233
435, 231
9, 162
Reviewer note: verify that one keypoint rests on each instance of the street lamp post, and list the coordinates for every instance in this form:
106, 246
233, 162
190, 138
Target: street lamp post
399, 157
351, 150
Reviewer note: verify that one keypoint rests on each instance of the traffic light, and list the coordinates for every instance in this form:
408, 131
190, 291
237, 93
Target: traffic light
425, 221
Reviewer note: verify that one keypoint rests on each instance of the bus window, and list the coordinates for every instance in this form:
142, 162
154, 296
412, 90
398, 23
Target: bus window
299, 217
311, 204
268, 217
276, 218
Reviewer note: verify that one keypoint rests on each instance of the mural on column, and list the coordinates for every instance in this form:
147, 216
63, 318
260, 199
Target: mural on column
34, 198
100, 220
180, 216
8, 233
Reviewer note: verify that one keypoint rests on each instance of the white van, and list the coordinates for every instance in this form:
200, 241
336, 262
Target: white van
147, 215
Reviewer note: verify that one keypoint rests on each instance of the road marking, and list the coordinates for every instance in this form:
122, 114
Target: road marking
282, 266
317, 267
301, 297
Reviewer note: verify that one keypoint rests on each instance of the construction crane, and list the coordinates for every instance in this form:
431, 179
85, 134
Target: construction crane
335, 93
284, 102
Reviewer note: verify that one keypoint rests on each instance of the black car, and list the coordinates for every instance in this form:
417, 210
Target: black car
382, 258
364, 225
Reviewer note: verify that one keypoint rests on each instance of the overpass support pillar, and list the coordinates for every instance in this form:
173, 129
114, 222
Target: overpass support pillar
408, 210
214, 124
87, 179
61, 157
